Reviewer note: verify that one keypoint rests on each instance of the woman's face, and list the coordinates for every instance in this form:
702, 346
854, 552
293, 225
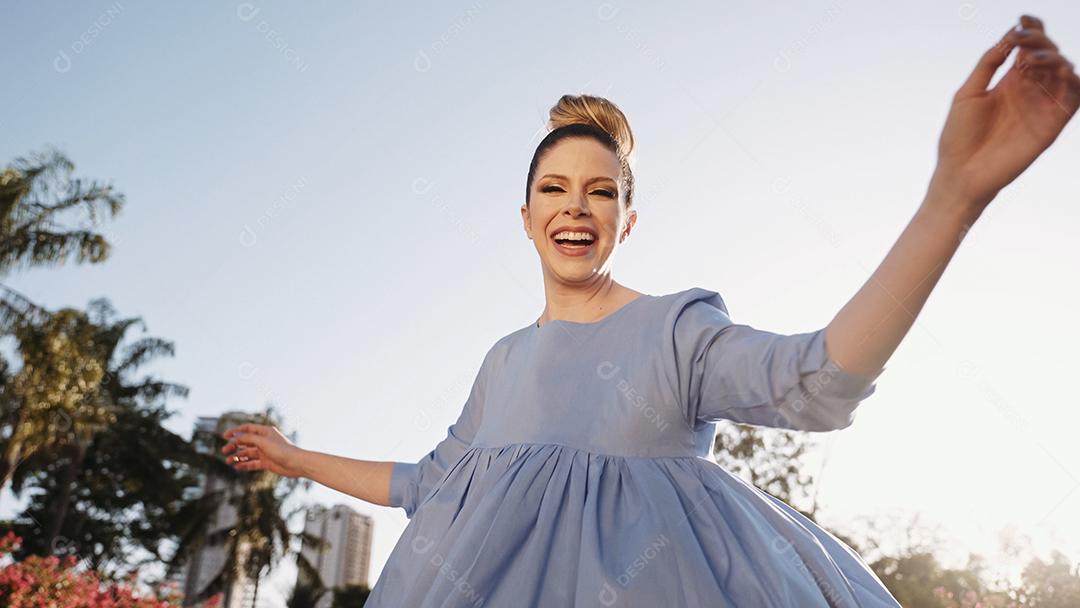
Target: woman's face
576, 186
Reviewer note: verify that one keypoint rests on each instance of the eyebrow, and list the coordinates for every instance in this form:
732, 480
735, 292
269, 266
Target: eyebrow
590, 180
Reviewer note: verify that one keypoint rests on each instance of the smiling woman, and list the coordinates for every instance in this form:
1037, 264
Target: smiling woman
579, 195
577, 473
566, 463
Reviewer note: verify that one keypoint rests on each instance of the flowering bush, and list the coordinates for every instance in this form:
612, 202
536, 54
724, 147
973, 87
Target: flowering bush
52, 582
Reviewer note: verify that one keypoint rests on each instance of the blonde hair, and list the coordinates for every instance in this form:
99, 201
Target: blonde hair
594, 117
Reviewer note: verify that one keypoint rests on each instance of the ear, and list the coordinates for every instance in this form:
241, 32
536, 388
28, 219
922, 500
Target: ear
630, 220
526, 220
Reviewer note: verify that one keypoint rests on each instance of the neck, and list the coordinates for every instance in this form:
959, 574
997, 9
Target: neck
584, 305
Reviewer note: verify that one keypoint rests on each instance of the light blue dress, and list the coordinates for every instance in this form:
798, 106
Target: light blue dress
578, 473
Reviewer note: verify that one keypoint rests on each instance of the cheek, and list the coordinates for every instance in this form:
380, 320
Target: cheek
614, 225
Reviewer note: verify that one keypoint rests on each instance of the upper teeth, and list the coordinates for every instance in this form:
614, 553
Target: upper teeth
577, 236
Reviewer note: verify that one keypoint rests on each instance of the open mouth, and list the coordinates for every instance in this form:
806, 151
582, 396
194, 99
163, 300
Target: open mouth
574, 243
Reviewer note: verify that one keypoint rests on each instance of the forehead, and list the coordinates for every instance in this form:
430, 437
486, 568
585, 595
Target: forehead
579, 157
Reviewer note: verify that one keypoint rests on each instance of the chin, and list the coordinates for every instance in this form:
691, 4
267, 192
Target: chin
575, 274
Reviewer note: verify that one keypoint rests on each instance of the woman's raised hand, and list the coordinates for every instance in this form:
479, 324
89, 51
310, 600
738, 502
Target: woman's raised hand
258, 447
991, 136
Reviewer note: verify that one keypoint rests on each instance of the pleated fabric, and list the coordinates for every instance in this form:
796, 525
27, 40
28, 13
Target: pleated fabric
578, 473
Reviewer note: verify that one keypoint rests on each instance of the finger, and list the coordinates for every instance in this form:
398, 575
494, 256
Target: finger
251, 465
247, 427
1072, 93
1034, 39
1045, 58
242, 456
988, 64
1065, 70
1031, 21
242, 441
1072, 77
249, 441
247, 454
1042, 67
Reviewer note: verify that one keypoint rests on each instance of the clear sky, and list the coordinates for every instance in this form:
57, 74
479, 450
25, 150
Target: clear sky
323, 214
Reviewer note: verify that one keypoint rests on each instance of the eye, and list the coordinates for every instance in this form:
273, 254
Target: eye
554, 188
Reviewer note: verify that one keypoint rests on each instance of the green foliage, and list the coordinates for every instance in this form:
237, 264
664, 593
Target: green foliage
1051, 584
37, 194
256, 536
108, 483
771, 459
34, 191
304, 596
350, 596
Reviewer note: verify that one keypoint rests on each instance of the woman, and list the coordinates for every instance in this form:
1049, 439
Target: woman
575, 474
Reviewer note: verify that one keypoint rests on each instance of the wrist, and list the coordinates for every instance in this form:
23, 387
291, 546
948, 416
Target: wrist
946, 221
948, 194
302, 462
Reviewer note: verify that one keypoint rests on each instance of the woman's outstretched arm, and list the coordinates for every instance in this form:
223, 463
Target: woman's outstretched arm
257, 447
990, 137
365, 479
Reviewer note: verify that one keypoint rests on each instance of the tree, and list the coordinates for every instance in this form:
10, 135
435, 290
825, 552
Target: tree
304, 595
125, 498
254, 535
76, 373
910, 569
107, 477
1051, 585
350, 596
34, 192
771, 459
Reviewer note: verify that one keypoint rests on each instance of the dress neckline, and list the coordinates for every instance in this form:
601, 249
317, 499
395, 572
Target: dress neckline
603, 319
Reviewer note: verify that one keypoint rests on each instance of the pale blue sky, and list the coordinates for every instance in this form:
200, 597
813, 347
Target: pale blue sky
323, 213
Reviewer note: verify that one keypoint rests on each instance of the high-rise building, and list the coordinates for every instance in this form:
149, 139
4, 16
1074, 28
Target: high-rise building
208, 559
345, 554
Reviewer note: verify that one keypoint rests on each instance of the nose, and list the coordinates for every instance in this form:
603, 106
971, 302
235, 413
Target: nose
579, 205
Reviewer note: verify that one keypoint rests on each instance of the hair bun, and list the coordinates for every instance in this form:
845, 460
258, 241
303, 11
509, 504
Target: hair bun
597, 111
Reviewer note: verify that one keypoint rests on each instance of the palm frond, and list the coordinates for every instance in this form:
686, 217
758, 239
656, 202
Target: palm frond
34, 191
16, 309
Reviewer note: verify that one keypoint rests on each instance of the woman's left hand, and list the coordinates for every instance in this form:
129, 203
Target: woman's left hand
991, 136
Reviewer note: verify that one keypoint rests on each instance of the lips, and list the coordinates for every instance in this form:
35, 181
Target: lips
574, 229
574, 250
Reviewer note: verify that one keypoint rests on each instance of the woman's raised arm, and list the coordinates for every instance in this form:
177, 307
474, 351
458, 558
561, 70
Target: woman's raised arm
990, 137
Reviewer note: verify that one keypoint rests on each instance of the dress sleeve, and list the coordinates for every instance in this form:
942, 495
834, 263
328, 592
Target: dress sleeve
736, 372
410, 482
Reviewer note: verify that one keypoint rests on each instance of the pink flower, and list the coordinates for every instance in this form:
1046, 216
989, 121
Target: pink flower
51, 582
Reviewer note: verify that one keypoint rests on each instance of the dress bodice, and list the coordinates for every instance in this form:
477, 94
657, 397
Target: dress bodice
600, 386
